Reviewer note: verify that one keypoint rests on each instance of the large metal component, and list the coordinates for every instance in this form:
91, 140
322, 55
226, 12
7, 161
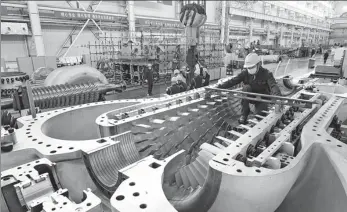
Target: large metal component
258, 168
187, 152
75, 75
63, 95
35, 186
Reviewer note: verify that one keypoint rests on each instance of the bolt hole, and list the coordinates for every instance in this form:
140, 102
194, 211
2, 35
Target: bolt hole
143, 206
339, 145
70, 148
64, 203
239, 170
6, 178
52, 152
101, 141
48, 145
19, 168
258, 170
226, 159
328, 140
59, 147
120, 197
89, 204
40, 142
136, 194
228, 153
53, 209
34, 139
132, 184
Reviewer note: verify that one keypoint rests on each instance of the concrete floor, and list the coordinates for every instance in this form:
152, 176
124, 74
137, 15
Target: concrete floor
294, 67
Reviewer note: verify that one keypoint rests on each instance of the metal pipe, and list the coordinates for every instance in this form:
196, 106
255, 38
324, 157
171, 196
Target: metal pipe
278, 65
285, 70
131, 20
93, 12
222, 34
74, 41
36, 28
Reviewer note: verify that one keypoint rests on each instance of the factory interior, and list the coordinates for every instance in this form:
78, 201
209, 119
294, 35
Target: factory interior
173, 106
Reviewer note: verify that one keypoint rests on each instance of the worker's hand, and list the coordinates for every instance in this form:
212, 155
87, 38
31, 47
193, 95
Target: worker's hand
279, 108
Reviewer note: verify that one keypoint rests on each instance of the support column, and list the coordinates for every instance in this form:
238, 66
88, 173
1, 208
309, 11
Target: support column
292, 37
250, 29
268, 33
36, 28
131, 20
308, 34
223, 23
281, 34
301, 32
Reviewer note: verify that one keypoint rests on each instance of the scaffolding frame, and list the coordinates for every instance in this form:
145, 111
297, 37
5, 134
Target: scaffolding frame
164, 47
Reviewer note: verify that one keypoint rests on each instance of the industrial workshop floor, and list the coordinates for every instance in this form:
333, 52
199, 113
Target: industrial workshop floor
296, 67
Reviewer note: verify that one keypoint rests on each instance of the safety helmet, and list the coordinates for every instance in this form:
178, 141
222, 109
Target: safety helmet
251, 60
149, 65
176, 71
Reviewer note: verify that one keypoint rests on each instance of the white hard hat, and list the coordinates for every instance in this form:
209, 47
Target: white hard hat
176, 71
251, 60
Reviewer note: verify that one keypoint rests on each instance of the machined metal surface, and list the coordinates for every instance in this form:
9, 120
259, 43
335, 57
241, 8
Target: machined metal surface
187, 152
34, 186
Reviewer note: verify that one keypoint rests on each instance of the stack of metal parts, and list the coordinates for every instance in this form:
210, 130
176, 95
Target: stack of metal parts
10, 81
35, 187
64, 95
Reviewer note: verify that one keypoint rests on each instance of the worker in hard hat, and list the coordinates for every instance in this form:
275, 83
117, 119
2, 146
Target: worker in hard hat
256, 79
149, 79
197, 80
206, 77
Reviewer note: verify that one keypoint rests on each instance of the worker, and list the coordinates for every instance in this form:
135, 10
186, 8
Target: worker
149, 79
326, 55
180, 80
313, 52
197, 80
205, 77
256, 79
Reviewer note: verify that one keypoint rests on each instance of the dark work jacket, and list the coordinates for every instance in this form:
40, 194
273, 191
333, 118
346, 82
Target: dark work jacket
262, 82
326, 55
148, 75
206, 80
196, 82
